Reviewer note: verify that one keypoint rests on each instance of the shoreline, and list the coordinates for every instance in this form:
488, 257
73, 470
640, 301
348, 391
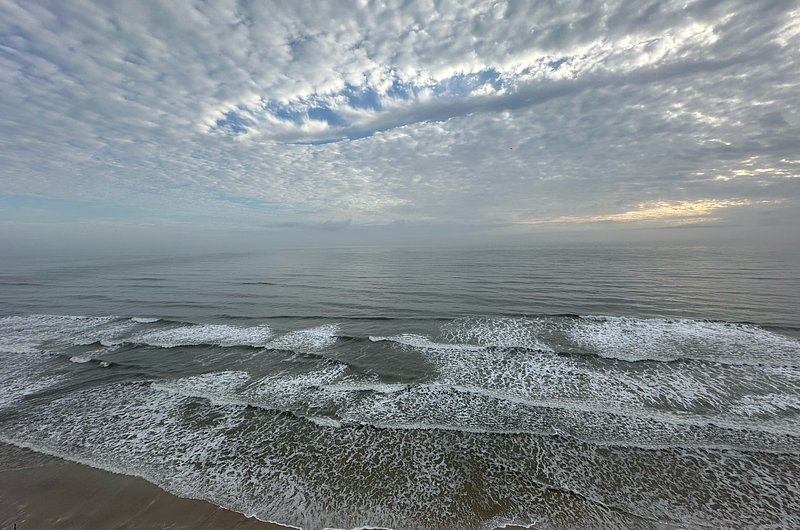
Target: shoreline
43, 491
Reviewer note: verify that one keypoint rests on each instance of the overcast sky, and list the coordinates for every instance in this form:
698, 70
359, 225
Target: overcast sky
334, 116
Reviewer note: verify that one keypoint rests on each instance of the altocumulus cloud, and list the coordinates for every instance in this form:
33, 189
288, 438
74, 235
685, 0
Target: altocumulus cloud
304, 114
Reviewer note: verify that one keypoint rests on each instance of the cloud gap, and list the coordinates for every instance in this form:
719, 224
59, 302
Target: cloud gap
398, 100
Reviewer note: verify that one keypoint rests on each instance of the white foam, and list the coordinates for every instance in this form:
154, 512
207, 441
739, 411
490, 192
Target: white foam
20, 347
766, 405
306, 340
219, 387
110, 334
680, 393
484, 333
143, 320
215, 334
670, 392
24, 374
284, 391
288, 391
500, 332
324, 421
23, 341
594, 417
629, 339
425, 343
634, 339
80, 359
30, 333
366, 386
477, 410
278, 468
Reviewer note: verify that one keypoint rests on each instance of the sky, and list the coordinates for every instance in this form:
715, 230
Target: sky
369, 120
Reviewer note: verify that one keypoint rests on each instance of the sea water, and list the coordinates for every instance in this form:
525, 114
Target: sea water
559, 387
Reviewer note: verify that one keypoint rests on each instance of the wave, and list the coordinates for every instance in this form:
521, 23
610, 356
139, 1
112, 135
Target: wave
619, 338
632, 339
279, 468
703, 392
332, 396
311, 339
531, 361
23, 376
80, 359
424, 343
218, 387
749, 396
366, 386
198, 334
528, 333
37, 333
42, 328
660, 339
300, 341
8, 346
623, 339
553, 421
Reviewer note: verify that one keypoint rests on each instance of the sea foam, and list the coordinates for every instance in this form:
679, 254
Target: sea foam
213, 334
281, 468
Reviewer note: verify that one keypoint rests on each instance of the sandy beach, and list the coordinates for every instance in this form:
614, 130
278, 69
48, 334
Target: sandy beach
39, 492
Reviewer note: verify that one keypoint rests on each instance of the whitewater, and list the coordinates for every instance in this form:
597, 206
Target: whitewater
554, 387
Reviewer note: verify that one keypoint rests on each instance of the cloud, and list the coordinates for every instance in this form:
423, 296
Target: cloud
683, 211
331, 226
511, 83
269, 113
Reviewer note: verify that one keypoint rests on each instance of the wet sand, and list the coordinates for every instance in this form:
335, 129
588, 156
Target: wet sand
39, 492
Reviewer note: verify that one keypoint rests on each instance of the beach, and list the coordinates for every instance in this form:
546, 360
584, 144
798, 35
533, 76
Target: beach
40, 491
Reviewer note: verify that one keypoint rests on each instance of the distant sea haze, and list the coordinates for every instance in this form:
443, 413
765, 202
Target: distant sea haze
557, 387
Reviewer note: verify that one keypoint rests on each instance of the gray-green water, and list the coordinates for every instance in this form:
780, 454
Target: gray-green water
559, 387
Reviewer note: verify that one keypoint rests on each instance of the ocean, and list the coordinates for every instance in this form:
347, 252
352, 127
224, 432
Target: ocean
552, 386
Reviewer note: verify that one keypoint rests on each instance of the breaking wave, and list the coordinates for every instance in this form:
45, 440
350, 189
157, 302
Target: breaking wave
558, 422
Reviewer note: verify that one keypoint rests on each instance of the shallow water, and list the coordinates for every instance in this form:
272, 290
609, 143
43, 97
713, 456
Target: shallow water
561, 387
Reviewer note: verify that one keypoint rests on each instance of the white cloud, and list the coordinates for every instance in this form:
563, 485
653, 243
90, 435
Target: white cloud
481, 112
